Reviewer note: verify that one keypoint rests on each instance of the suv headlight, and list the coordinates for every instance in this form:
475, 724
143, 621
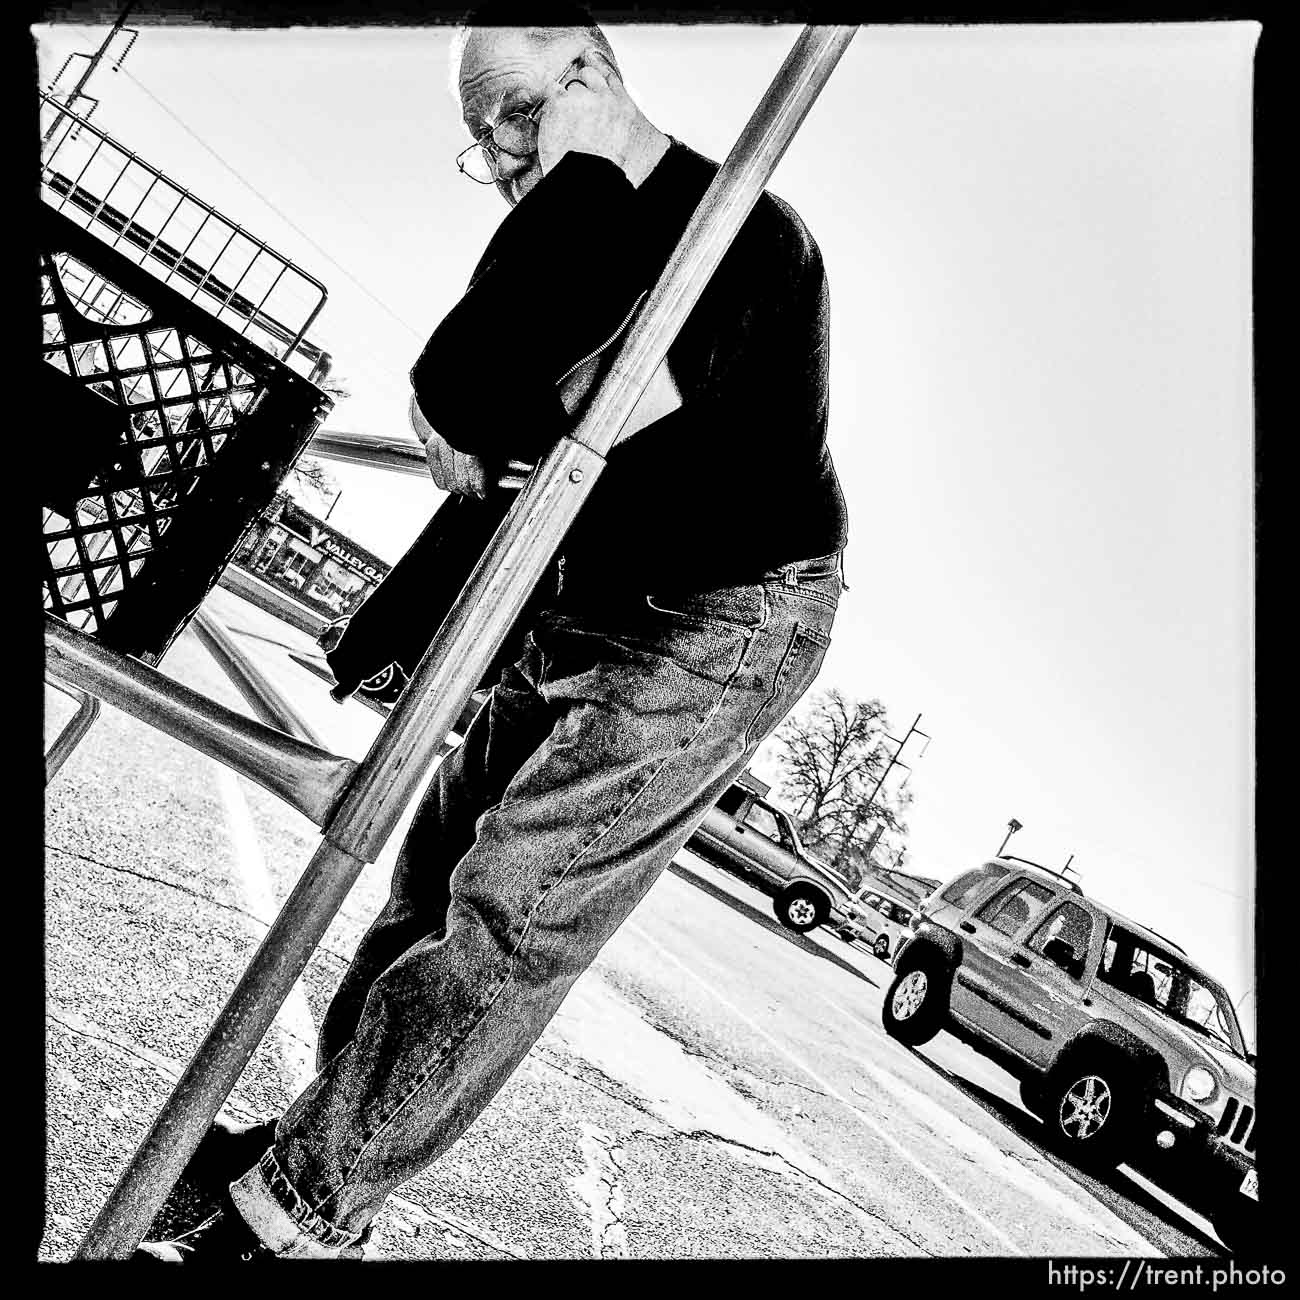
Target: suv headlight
1199, 1085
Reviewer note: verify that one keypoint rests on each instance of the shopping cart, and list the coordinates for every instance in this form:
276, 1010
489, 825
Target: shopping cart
177, 383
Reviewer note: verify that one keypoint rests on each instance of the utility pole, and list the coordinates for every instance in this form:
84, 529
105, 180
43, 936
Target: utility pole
889, 766
865, 808
78, 91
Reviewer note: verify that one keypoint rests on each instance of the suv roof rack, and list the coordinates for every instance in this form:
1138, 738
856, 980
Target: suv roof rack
1038, 866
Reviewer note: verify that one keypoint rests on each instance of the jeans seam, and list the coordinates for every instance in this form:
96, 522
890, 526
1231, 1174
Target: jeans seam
831, 602
482, 1011
782, 670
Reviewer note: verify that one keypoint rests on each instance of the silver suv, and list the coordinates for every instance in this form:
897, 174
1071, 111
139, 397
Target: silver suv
1125, 1048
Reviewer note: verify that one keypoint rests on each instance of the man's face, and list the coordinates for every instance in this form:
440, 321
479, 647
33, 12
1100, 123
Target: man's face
503, 72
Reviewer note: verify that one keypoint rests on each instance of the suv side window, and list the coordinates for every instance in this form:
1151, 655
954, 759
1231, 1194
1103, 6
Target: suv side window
1069, 923
968, 882
764, 821
1009, 910
732, 797
961, 888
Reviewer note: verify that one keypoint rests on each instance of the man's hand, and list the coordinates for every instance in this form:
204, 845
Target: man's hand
592, 114
452, 470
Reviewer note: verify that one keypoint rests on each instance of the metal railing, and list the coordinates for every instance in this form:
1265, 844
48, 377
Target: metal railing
141, 212
359, 805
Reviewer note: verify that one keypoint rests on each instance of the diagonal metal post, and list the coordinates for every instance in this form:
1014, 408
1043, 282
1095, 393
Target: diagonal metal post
399, 760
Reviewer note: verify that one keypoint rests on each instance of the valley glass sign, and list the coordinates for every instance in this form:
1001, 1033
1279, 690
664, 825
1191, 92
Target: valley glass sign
305, 558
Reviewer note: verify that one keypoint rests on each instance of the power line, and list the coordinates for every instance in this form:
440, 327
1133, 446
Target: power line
291, 224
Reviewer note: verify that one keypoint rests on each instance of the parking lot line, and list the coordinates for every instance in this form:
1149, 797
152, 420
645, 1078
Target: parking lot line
831, 1091
252, 883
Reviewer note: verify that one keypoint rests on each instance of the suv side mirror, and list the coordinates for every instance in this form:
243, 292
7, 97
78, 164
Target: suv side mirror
1062, 954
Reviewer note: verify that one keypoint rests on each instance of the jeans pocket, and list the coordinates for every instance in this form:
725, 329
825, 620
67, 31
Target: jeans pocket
743, 609
799, 666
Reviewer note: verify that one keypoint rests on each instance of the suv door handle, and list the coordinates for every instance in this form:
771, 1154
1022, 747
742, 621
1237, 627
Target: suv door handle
968, 927
1021, 960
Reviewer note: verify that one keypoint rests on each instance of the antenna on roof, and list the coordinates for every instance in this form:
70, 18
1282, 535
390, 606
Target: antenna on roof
1067, 867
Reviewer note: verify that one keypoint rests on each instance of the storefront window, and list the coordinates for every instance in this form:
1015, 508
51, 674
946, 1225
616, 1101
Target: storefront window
336, 587
275, 538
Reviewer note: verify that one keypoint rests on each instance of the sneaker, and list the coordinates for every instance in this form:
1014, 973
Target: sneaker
227, 1150
222, 1239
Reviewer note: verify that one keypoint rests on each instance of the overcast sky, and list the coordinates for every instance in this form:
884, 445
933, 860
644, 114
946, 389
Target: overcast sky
1038, 244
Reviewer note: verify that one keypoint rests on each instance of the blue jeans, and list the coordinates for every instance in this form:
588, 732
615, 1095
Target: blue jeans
596, 757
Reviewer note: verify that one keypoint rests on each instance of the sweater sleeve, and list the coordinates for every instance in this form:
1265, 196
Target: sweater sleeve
554, 277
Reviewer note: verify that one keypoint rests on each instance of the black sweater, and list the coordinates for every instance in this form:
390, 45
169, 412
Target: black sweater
736, 481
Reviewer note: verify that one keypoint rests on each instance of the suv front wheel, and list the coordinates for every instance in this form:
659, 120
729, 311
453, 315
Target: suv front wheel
1089, 1105
1238, 1224
800, 908
915, 1005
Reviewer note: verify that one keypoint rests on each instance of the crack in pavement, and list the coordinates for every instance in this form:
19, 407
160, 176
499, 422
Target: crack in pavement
599, 1191
454, 1223
707, 1135
670, 1132
84, 1027
321, 949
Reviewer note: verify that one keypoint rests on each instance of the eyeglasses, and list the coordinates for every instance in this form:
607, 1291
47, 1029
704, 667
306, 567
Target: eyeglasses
515, 134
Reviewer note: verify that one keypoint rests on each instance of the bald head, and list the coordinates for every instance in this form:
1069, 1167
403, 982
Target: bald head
542, 39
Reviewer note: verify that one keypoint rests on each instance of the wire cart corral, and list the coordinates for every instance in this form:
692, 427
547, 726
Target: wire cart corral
102, 643
172, 349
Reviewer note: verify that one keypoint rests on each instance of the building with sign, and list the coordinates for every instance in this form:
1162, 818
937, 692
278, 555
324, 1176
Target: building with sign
306, 559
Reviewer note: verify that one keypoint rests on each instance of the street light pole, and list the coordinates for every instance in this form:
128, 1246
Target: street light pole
1012, 827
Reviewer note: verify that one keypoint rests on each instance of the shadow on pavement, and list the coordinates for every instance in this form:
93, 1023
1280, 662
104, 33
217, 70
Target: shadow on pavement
769, 922
1131, 1195
270, 640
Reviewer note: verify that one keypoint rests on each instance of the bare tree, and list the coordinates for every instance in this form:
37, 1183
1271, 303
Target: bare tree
308, 470
830, 755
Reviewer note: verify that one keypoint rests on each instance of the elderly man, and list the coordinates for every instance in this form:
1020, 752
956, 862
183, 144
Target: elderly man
690, 610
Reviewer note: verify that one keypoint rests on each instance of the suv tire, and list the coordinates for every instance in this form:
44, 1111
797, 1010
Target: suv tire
1033, 1096
916, 1004
800, 908
1091, 1103
1237, 1221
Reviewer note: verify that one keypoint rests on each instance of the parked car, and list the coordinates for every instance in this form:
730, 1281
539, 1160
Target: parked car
1125, 1047
751, 836
882, 923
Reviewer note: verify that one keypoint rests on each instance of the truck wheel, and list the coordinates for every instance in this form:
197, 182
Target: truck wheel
800, 908
1238, 1224
916, 1004
1033, 1096
881, 947
1090, 1105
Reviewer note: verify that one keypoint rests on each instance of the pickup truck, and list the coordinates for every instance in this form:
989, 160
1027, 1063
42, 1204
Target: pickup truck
746, 834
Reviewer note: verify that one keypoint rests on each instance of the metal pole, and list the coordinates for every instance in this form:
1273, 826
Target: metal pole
889, 766
404, 455
1012, 827
471, 635
74, 730
309, 778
